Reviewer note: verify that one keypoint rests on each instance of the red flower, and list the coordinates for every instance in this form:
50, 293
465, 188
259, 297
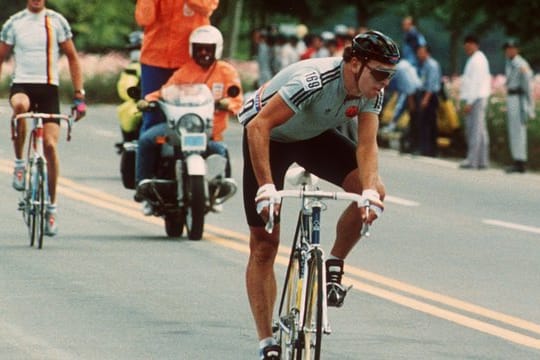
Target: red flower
351, 111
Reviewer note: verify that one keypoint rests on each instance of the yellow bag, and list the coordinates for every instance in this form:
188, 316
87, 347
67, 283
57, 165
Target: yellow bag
388, 112
129, 77
447, 117
129, 116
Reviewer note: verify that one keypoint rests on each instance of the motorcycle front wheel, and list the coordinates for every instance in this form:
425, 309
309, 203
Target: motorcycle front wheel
174, 224
195, 207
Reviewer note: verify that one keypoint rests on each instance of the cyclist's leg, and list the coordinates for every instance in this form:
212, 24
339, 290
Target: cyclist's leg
260, 277
332, 157
47, 101
20, 103
51, 131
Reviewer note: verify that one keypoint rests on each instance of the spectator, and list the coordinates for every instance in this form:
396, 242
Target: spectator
474, 92
412, 39
264, 56
405, 83
313, 43
286, 54
520, 105
427, 102
167, 25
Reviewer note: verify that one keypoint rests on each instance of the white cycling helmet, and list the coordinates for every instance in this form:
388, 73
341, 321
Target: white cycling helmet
207, 35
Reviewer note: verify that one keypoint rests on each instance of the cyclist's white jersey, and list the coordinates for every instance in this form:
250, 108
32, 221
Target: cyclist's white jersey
35, 38
315, 91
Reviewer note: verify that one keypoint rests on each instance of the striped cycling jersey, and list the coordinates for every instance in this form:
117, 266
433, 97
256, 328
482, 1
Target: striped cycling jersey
315, 91
35, 38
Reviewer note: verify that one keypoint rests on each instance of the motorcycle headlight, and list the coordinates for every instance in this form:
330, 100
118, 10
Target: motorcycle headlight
191, 123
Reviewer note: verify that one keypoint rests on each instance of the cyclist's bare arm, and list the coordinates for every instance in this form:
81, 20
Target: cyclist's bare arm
5, 49
273, 114
68, 48
367, 157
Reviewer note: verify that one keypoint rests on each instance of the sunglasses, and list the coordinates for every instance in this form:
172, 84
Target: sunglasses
381, 74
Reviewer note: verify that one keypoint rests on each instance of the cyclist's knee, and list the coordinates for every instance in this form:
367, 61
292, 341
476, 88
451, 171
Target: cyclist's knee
263, 246
20, 103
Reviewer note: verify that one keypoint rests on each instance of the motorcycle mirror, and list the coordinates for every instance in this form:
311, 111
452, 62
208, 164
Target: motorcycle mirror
134, 92
233, 91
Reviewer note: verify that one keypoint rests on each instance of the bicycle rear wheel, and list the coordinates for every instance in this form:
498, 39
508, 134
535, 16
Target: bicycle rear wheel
312, 330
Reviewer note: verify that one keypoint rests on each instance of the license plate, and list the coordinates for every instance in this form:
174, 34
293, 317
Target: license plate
194, 142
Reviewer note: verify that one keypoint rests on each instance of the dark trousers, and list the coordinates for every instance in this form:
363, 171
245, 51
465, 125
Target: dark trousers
424, 126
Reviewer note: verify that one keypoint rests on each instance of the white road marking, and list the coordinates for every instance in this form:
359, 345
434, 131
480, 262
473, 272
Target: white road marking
513, 226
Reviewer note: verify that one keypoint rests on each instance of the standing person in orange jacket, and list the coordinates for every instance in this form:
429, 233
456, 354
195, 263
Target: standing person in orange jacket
167, 25
206, 46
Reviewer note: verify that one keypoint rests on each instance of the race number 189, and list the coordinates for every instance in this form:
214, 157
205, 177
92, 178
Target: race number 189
312, 81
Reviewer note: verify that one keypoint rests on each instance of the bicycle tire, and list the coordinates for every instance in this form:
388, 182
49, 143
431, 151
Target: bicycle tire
39, 204
312, 329
290, 313
30, 207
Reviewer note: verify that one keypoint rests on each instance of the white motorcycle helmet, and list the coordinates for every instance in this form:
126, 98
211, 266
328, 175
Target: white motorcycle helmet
205, 45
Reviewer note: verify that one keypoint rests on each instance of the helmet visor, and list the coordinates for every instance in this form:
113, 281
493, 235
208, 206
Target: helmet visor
204, 54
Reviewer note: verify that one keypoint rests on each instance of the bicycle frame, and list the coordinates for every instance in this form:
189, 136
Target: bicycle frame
36, 198
292, 317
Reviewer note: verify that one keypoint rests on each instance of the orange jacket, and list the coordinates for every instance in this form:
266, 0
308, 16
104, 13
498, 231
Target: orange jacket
219, 77
167, 25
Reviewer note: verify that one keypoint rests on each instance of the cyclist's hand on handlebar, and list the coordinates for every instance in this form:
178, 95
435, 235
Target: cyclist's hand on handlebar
267, 203
78, 108
375, 208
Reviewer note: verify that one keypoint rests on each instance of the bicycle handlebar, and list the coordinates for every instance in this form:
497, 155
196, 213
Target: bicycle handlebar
317, 195
33, 115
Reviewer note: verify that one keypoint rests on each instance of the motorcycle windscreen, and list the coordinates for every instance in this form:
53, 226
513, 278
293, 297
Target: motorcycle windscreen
187, 95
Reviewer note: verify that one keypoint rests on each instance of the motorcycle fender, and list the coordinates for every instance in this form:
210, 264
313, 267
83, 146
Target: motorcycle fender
196, 165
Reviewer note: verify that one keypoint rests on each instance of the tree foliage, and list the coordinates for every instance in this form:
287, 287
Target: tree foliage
101, 25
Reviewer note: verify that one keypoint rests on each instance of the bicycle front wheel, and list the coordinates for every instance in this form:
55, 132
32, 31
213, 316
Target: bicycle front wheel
39, 205
289, 313
312, 330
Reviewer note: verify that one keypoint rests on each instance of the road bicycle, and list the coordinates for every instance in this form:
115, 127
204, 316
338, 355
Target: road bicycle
35, 196
302, 316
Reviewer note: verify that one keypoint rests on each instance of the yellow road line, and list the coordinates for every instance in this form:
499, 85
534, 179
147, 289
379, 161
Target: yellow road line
230, 239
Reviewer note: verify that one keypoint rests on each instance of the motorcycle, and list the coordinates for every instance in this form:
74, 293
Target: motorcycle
190, 180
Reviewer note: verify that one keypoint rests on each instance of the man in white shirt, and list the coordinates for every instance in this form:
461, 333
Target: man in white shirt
474, 92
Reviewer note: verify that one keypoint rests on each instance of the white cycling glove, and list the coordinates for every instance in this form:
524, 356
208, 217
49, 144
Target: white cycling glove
265, 196
373, 196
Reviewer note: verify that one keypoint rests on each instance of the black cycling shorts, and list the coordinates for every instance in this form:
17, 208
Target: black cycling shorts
43, 98
330, 156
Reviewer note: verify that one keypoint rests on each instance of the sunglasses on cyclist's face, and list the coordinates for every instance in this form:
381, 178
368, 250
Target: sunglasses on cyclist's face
381, 74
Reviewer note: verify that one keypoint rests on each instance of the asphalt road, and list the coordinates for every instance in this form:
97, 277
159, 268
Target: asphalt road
450, 271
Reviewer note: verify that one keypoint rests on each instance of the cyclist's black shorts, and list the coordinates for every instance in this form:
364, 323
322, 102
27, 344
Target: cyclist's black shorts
43, 98
330, 156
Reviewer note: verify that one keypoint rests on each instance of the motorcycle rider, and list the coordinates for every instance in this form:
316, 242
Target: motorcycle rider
205, 66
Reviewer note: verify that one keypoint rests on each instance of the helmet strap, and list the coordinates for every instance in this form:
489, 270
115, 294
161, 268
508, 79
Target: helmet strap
359, 73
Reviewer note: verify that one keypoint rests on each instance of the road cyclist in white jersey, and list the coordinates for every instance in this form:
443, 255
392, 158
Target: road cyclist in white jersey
292, 118
36, 35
